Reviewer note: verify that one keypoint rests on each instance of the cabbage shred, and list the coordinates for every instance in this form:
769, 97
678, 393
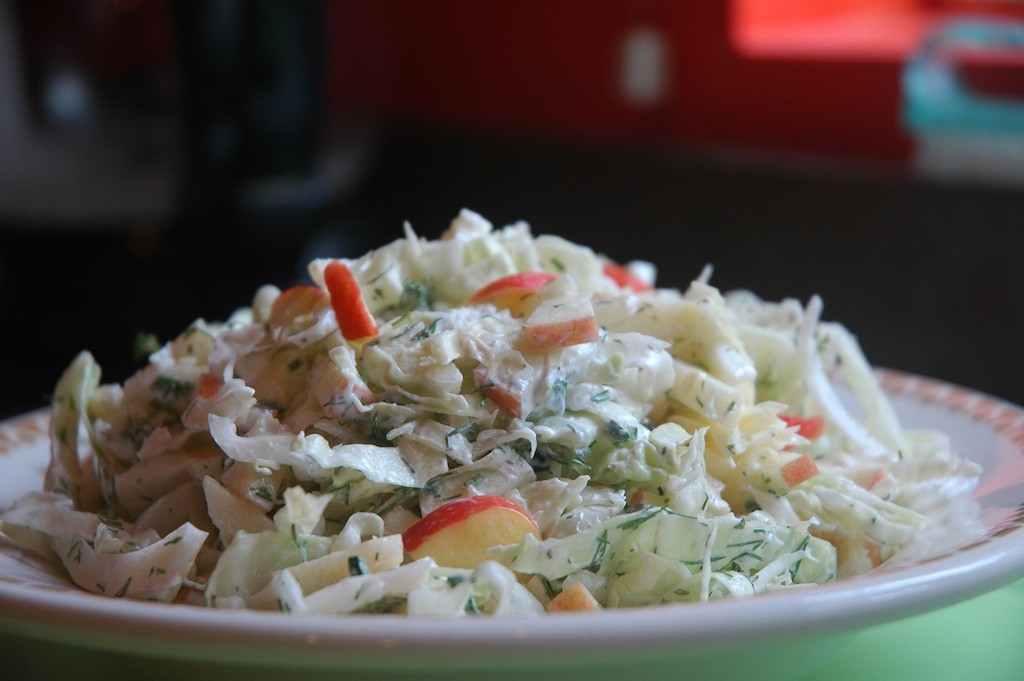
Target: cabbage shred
267, 462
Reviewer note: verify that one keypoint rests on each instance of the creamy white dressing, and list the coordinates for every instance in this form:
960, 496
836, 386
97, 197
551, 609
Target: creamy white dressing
641, 429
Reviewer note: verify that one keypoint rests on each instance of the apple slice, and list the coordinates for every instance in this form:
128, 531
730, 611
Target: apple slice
809, 427
624, 278
459, 533
874, 552
561, 322
574, 598
513, 293
354, 318
295, 302
507, 399
208, 386
798, 470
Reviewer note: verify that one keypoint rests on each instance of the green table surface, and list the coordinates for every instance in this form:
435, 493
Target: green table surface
978, 640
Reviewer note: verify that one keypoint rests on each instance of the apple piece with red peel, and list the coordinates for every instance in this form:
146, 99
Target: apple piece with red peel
809, 427
876, 478
459, 533
208, 386
624, 278
507, 399
874, 552
513, 293
298, 300
561, 322
354, 318
798, 470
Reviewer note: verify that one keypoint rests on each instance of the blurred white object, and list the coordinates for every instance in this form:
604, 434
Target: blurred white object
644, 76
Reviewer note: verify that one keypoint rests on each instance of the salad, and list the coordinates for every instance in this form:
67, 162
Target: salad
489, 423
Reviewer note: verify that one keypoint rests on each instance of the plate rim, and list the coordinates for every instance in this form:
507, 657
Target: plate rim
881, 597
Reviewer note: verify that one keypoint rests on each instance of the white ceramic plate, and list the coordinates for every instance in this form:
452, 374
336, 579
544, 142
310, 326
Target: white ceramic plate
774, 636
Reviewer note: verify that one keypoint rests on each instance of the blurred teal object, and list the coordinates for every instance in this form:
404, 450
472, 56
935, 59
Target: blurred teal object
959, 132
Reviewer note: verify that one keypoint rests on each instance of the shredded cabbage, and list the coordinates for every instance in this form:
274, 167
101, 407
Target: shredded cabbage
670, 446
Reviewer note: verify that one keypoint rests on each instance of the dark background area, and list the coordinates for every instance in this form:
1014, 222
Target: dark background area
926, 273
159, 161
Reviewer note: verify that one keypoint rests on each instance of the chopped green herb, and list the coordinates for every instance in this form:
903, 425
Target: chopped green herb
124, 589
455, 431
387, 502
376, 278
407, 329
75, 551
640, 520
794, 569
386, 605
602, 546
415, 296
300, 543
549, 588
144, 345
619, 434
427, 330
574, 458
357, 566
263, 493
170, 387
111, 521
271, 405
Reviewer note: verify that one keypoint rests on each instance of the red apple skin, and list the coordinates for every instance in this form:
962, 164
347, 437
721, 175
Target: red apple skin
294, 302
527, 282
512, 293
504, 398
561, 334
459, 533
208, 385
809, 427
624, 278
508, 400
798, 470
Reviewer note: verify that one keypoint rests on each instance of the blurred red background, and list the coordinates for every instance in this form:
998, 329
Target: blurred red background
816, 76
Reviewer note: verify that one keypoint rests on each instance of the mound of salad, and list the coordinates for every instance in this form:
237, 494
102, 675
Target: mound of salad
488, 423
